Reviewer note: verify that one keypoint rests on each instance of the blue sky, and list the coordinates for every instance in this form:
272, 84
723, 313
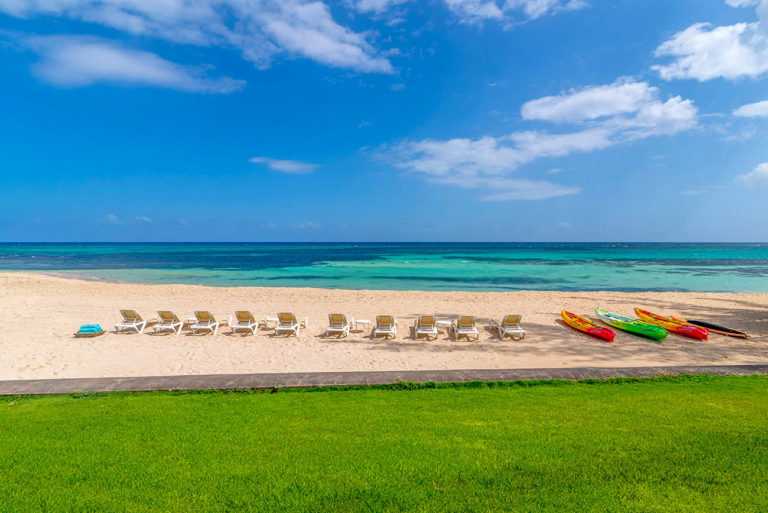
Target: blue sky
383, 120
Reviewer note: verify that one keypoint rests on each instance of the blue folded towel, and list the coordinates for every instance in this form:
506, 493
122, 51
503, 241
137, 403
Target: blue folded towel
89, 328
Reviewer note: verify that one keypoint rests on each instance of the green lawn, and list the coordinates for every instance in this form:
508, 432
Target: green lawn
678, 444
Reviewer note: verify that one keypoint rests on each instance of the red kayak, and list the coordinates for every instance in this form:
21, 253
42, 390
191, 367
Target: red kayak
673, 325
583, 324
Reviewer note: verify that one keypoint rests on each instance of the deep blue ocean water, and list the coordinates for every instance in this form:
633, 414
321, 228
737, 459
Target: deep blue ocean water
411, 266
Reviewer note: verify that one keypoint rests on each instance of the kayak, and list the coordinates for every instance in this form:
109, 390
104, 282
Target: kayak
587, 326
715, 328
634, 326
675, 326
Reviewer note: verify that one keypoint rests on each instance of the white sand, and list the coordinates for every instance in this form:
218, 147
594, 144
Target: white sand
41, 313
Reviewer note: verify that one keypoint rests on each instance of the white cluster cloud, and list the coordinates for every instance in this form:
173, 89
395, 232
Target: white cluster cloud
374, 6
758, 177
590, 103
478, 11
536, 8
260, 29
475, 11
753, 110
73, 61
292, 167
605, 115
704, 52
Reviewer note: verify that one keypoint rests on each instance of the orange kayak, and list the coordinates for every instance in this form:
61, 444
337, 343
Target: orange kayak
583, 324
673, 325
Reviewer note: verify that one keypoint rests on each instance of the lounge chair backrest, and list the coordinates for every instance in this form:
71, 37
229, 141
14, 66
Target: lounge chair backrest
511, 320
244, 316
287, 318
130, 316
337, 320
385, 321
466, 321
204, 316
167, 316
426, 321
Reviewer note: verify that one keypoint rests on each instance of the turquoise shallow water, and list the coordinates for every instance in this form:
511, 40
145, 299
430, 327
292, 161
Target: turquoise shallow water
411, 266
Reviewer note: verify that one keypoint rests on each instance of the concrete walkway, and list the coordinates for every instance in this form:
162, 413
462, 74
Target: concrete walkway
313, 379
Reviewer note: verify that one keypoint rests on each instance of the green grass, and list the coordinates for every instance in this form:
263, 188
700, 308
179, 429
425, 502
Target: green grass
697, 443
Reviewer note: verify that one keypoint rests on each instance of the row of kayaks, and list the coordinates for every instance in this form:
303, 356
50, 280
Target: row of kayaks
649, 325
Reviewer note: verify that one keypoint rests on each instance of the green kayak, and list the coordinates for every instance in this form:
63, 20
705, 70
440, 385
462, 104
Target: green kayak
635, 326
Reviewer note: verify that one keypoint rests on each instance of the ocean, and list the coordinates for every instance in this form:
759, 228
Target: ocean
701, 267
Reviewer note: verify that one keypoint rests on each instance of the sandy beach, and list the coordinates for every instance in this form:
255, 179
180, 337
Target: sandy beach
42, 312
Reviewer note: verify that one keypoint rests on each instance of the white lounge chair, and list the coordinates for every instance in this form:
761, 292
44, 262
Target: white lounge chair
337, 323
244, 321
131, 321
169, 321
205, 322
385, 325
286, 322
465, 326
509, 326
425, 325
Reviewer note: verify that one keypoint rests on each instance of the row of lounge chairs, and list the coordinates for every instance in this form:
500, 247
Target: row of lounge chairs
465, 325
204, 321
338, 324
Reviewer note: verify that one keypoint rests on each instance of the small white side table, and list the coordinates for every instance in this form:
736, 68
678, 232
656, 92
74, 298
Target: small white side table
365, 322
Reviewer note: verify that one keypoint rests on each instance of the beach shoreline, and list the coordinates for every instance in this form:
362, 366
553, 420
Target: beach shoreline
43, 311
